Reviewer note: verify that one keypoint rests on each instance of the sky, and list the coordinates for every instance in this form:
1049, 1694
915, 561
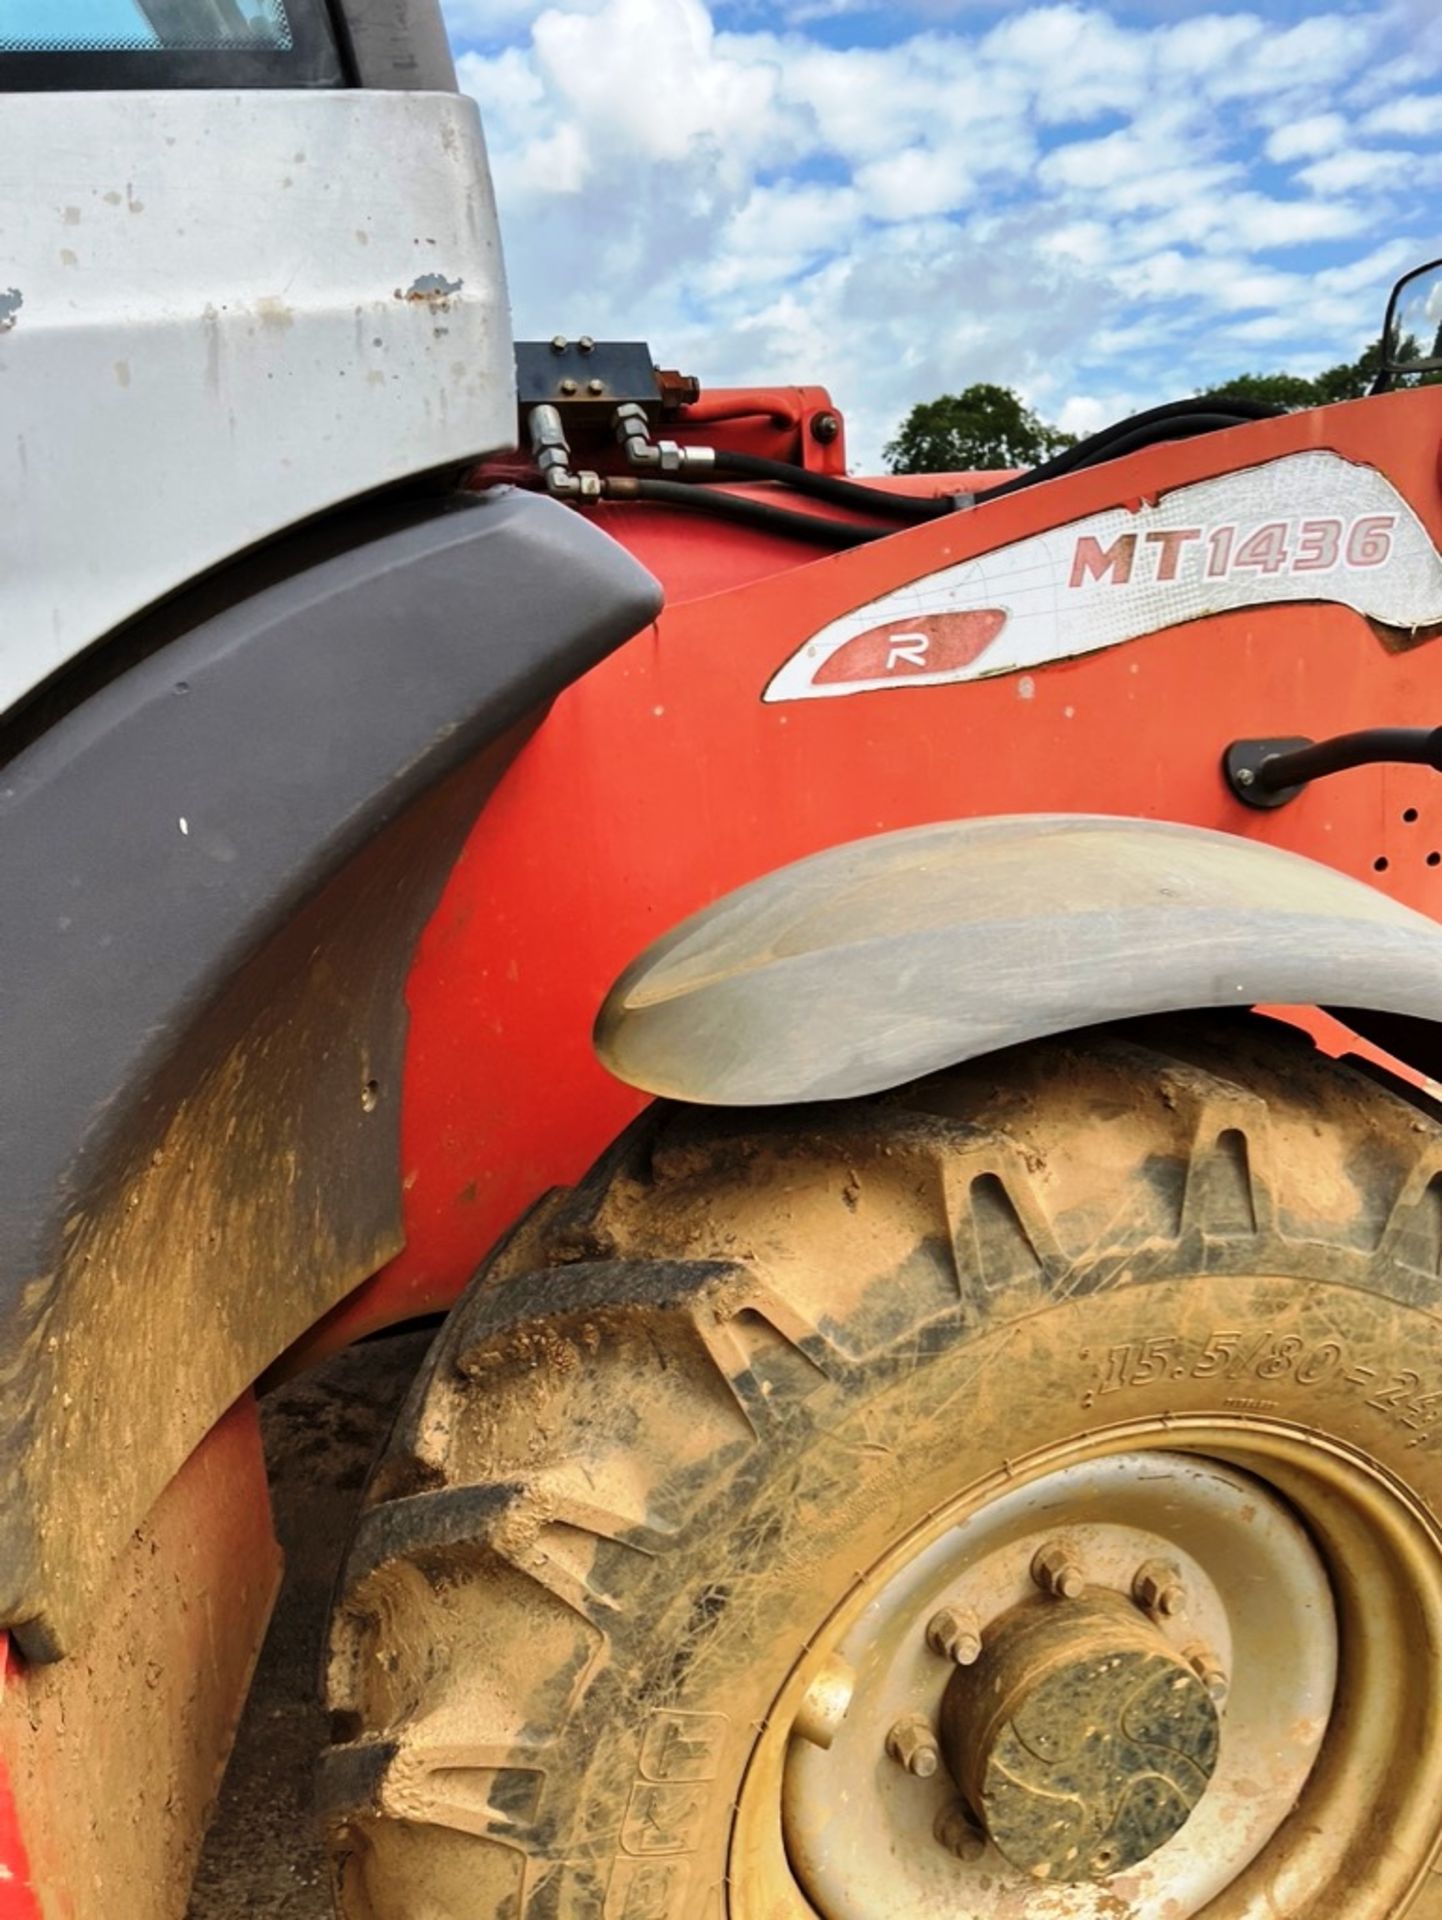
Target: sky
1103, 205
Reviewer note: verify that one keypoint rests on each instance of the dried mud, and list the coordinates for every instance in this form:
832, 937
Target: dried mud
264, 1859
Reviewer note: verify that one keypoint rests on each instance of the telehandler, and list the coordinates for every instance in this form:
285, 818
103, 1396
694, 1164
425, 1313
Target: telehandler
969, 1445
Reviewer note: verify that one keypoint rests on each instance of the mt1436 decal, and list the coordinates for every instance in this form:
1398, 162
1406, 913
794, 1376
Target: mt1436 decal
1310, 526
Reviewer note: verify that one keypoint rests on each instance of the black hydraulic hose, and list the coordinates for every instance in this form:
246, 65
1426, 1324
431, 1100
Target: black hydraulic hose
1177, 420
830, 486
751, 513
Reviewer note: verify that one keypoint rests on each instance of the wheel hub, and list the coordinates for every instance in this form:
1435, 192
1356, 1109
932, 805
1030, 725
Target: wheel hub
1080, 1739
1123, 1667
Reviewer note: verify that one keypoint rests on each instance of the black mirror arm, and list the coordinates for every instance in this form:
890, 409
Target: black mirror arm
1269, 773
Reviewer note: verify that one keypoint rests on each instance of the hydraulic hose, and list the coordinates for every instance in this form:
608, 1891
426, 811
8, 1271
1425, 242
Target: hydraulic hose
759, 514
841, 493
1177, 420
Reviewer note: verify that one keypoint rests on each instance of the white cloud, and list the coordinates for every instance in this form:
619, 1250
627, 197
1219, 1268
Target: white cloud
1357, 168
693, 95
1045, 195
1083, 413
1305, 139
1319, 53
1414, 116
495, 20
1073, 61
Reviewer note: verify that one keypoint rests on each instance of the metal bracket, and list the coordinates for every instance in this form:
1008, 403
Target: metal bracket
1242, 765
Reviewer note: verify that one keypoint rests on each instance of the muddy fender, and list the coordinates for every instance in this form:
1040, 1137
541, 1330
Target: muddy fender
872, 963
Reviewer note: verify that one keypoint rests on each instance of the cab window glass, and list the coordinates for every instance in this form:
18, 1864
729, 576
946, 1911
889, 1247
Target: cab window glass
140, 26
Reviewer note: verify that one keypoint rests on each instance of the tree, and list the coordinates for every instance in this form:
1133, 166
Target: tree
986, 426
1350, 380
982, 426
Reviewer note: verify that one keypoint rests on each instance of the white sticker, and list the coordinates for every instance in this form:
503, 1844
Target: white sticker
1310, 526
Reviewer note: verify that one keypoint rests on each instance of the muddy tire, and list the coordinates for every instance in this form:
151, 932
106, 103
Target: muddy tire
718, 1522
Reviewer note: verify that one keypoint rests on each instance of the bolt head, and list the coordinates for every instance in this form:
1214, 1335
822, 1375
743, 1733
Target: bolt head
1056, 1572
1246, 777
568, 386
586, 343
1210, 1671
825, 427
959, 1833
595, 386
559, 343
912, 1744
1157, 1587
955, 1634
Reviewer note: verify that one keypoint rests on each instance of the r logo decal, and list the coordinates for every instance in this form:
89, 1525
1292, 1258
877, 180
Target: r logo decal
937, 643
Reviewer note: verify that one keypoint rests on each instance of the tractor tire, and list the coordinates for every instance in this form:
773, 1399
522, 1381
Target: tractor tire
1012, 1495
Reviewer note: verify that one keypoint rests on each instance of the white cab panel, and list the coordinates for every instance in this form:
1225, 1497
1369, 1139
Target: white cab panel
221, 313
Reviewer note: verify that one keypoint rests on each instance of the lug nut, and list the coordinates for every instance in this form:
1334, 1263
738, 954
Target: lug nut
1056, 1572
955, 1634
1209, 1670
912, 1744
959, 1833
1157, 1586
824, 1704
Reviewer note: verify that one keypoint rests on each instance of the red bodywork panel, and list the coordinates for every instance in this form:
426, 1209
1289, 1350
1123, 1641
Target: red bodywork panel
111, 1758
662, 780
19, 1899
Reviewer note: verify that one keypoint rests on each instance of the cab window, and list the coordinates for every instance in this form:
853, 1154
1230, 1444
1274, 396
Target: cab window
168, 43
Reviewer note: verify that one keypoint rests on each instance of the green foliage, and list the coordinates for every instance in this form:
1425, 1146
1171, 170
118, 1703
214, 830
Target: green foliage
1351, 380
983, 426
1276, 389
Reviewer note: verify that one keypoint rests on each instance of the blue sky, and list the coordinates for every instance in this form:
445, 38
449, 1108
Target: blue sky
1101, 204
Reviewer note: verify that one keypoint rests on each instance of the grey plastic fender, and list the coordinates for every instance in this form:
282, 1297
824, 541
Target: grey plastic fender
216, 854
871, 963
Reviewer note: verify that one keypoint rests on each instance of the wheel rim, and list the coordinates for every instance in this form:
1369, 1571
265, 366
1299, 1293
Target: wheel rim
1306, 1575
